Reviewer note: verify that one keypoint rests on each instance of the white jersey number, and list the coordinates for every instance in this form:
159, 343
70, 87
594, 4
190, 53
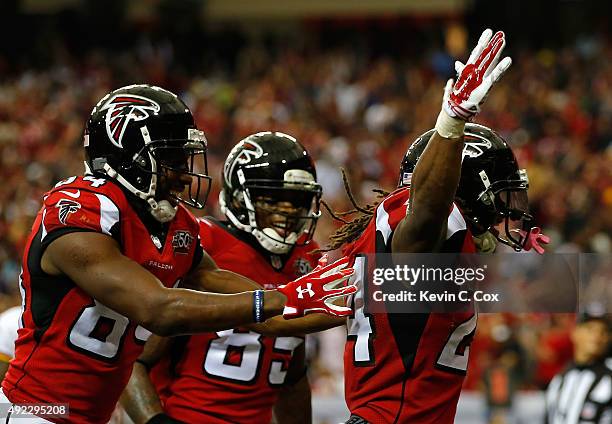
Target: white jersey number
237, 356
456, 351
99, 331
360, 326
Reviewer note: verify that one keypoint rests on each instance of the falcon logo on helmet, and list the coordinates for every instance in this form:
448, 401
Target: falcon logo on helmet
121, 109
473, 148
248, 150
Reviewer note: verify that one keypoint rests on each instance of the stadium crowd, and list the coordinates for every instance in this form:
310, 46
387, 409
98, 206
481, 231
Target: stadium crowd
351, 109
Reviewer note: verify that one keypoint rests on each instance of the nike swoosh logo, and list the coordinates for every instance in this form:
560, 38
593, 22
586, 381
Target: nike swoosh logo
73, 195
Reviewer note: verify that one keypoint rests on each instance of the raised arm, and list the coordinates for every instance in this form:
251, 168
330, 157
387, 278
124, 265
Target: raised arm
437, 172
434, 182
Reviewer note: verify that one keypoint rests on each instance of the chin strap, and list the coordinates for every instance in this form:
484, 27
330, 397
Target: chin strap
163, 211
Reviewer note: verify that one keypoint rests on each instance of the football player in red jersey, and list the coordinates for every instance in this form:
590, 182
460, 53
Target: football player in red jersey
409, 368
270, 198
106, 250
456, 183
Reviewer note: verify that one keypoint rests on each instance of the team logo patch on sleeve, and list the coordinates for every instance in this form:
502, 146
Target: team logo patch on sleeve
123, 108
66, 207
181, 242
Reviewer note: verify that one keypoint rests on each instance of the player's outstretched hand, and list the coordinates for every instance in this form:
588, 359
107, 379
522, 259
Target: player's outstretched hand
316, 291
463, 98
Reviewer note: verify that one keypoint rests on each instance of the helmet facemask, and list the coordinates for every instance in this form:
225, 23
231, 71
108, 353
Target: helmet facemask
178, 163
167, 172
279, 214
503, 201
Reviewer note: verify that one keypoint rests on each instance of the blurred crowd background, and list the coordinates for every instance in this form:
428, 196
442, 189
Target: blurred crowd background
355, 89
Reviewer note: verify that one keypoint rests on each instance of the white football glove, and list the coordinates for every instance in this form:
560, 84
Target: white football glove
475, 78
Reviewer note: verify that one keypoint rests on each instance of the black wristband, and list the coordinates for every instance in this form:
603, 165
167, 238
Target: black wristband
258, 306
163, 419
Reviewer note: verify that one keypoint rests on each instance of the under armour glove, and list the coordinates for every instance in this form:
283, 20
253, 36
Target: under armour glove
316, 291
463, 98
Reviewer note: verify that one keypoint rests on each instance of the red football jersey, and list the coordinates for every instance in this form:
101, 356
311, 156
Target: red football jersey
405, 368
232, 375
72, 349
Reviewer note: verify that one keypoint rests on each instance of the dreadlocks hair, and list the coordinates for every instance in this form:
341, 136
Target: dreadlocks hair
351, 229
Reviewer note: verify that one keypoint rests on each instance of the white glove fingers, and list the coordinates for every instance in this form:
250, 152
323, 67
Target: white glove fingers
491, 53
322, 262
340, 310
482, 43
334, 279
336, 283
459, 67
336, 270
334, 266
343, 291
500, 69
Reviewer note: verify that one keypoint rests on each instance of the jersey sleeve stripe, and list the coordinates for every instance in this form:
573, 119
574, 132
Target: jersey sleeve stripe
455, 222
382, 222
42, 225
109, 214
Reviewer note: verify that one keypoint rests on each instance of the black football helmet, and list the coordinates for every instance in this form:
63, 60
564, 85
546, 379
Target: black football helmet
138, 133
491, 189
268, 169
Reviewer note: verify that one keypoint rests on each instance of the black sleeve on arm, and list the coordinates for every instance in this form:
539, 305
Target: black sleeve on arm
55, 234
115, 233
